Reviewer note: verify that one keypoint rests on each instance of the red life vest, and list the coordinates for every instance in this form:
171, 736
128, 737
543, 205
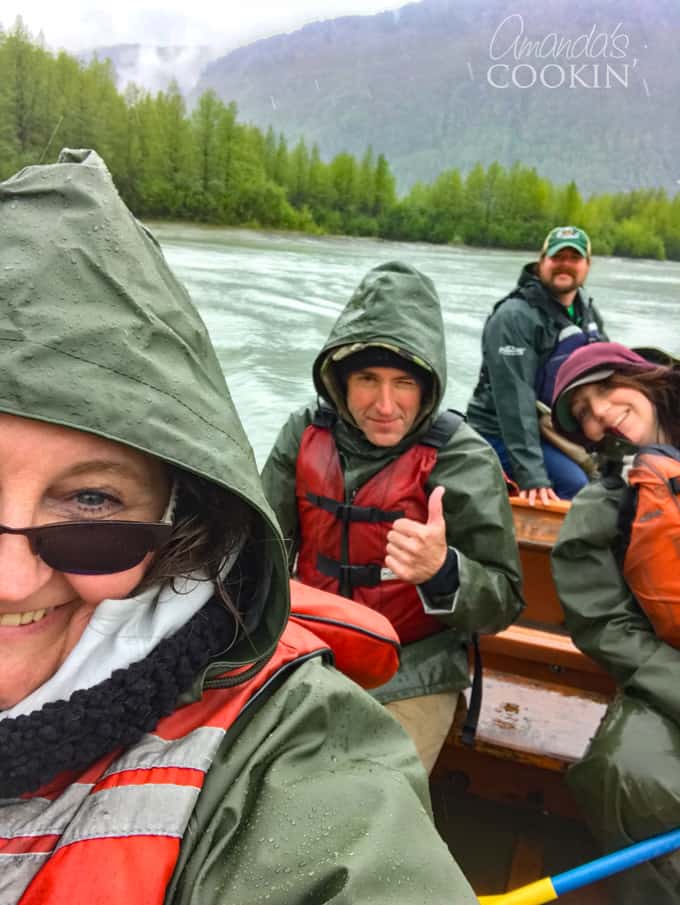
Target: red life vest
112, 835
651, 518
342, 546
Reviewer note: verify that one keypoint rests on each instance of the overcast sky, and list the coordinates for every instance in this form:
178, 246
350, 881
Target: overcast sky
81, 24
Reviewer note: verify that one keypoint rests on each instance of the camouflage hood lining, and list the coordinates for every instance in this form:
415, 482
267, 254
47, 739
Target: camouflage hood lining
335, 394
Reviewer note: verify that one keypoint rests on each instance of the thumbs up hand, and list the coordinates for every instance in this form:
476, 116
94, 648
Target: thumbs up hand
415, 552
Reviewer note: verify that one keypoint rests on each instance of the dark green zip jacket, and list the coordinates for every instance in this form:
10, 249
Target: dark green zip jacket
627, 782
519, 336
398, 307
318, 797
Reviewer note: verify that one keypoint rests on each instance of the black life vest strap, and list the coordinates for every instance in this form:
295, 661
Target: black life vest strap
347, 512
675, 485
469, 729
443, 428
625, 519
353, 576
324, 416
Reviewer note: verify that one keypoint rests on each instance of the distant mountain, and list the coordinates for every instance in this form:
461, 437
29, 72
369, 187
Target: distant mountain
580, 90
153, 68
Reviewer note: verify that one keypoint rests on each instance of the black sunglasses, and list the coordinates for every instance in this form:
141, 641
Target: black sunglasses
94, 547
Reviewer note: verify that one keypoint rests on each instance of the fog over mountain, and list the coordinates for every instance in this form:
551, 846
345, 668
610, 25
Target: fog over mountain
154, 68
581, 91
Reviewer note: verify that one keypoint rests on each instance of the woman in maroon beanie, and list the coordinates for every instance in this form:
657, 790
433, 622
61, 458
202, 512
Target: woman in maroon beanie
606, 389
615, 566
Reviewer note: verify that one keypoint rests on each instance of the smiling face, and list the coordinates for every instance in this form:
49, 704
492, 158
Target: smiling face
51, 474
621, 410
564, 273
384, 402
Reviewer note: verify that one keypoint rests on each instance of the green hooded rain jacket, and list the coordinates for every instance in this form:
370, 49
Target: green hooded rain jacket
317, 796
628, 782
398, 307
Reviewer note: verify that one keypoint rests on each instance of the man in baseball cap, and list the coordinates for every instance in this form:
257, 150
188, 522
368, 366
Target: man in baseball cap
528, 334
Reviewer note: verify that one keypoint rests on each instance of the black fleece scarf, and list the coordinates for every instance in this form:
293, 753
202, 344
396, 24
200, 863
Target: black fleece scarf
70, 735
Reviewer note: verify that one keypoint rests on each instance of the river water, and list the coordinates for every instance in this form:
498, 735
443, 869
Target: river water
270, 300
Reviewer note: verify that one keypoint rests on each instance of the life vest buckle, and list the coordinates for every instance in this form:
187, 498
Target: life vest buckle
368, 576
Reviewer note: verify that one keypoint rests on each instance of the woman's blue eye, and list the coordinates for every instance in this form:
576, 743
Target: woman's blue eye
91, 498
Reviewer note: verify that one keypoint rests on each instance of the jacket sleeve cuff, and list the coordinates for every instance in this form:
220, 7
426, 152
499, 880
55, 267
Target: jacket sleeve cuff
444, 584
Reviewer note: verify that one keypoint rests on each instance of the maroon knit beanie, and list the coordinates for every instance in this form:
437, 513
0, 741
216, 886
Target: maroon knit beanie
590, 364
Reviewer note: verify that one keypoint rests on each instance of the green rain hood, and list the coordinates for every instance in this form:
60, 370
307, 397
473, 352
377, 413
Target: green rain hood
97, 334
394, 306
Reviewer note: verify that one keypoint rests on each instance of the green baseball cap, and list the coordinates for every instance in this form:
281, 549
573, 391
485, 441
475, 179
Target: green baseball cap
566, 237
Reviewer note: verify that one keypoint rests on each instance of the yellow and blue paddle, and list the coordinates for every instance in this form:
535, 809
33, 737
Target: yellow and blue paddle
550, 888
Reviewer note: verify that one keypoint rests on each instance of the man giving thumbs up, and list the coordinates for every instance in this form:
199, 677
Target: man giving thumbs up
416, 552
388, 502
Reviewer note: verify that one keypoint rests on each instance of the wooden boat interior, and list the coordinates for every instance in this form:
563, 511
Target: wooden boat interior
502, 804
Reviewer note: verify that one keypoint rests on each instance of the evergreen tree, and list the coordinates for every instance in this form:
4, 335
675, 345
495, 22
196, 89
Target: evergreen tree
26, 75
343, 173
320, 191
385, 194
280, 174
475, 214
571, 205
9, 145
205, 134
270, 153
298, 175
445, 205
227, 138
174, 168
132, 162
366, 184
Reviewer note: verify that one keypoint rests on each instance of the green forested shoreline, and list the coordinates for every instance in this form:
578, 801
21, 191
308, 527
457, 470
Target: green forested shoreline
206, 166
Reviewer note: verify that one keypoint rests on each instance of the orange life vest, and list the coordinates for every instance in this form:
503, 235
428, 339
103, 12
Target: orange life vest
112, 834
364, 643
651, 517
342, 545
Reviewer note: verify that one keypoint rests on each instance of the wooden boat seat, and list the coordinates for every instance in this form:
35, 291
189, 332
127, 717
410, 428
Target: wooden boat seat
542, 699
542, 702
529, 733
541, 723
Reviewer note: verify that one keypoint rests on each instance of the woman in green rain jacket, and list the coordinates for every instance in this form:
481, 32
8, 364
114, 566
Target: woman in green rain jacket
160, 740
628, 782
396, 311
